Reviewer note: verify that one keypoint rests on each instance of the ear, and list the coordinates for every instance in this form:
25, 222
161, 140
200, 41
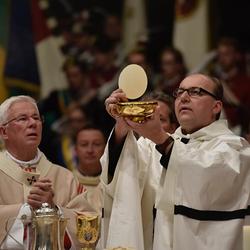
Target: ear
217, 107
3, 132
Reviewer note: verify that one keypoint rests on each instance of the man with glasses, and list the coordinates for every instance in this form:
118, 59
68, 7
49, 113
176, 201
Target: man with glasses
28, 179
203, 193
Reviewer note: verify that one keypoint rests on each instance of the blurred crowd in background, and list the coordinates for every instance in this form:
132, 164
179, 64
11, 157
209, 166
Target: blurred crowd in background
90, 38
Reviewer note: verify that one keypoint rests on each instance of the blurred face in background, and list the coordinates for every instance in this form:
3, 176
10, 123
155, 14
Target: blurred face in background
228, 57
77, 119
113, 28
137, 58
102, 59
170, 68
75, 77
90, 144
165, 117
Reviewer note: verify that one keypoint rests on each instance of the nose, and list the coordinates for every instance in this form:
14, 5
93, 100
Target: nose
90, 148
184, 96
32, 121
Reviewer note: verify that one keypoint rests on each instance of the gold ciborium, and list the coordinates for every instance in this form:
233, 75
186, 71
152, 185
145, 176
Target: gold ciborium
136, 111
88, 231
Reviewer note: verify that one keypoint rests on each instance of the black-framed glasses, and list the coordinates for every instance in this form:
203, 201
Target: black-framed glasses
193, 92
24, 119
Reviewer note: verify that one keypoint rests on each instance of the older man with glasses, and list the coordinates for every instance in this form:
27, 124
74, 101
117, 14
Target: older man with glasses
202, 199
28, 179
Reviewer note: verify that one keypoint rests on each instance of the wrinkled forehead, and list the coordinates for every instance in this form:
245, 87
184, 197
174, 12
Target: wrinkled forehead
197, 81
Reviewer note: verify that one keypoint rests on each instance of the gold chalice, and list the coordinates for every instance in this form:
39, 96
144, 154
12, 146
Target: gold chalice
133, 82
88, 231
136, 111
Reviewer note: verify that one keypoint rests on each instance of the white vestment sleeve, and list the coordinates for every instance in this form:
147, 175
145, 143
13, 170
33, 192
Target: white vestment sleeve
14, 239
123, 196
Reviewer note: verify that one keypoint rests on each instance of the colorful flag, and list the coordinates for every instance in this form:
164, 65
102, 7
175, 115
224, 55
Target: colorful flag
31, 61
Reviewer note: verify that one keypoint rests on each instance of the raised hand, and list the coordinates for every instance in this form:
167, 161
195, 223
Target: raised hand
151, 128
121, 126
110, 103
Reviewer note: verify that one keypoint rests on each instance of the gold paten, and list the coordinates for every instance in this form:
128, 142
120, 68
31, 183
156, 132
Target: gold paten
136, 111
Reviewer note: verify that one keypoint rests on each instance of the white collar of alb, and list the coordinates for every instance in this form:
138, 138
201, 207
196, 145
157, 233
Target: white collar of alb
26, 164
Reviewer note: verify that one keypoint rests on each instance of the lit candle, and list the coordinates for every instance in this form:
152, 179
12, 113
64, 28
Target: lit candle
246, 237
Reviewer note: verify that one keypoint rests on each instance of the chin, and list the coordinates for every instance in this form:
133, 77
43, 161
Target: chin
185, 125
184, 120
34, 144
86, 162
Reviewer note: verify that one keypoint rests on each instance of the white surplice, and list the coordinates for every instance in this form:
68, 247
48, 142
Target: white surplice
207, 176
130, 197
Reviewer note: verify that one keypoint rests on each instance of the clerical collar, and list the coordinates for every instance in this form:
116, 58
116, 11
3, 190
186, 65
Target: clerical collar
26, 164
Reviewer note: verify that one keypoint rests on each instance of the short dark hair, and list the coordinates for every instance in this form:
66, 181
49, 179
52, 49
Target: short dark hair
230, 42
218, 90
88, 126
139, 50
176, 53
71, 62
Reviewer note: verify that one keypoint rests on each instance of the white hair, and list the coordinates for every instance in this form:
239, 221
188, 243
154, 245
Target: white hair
5, 106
